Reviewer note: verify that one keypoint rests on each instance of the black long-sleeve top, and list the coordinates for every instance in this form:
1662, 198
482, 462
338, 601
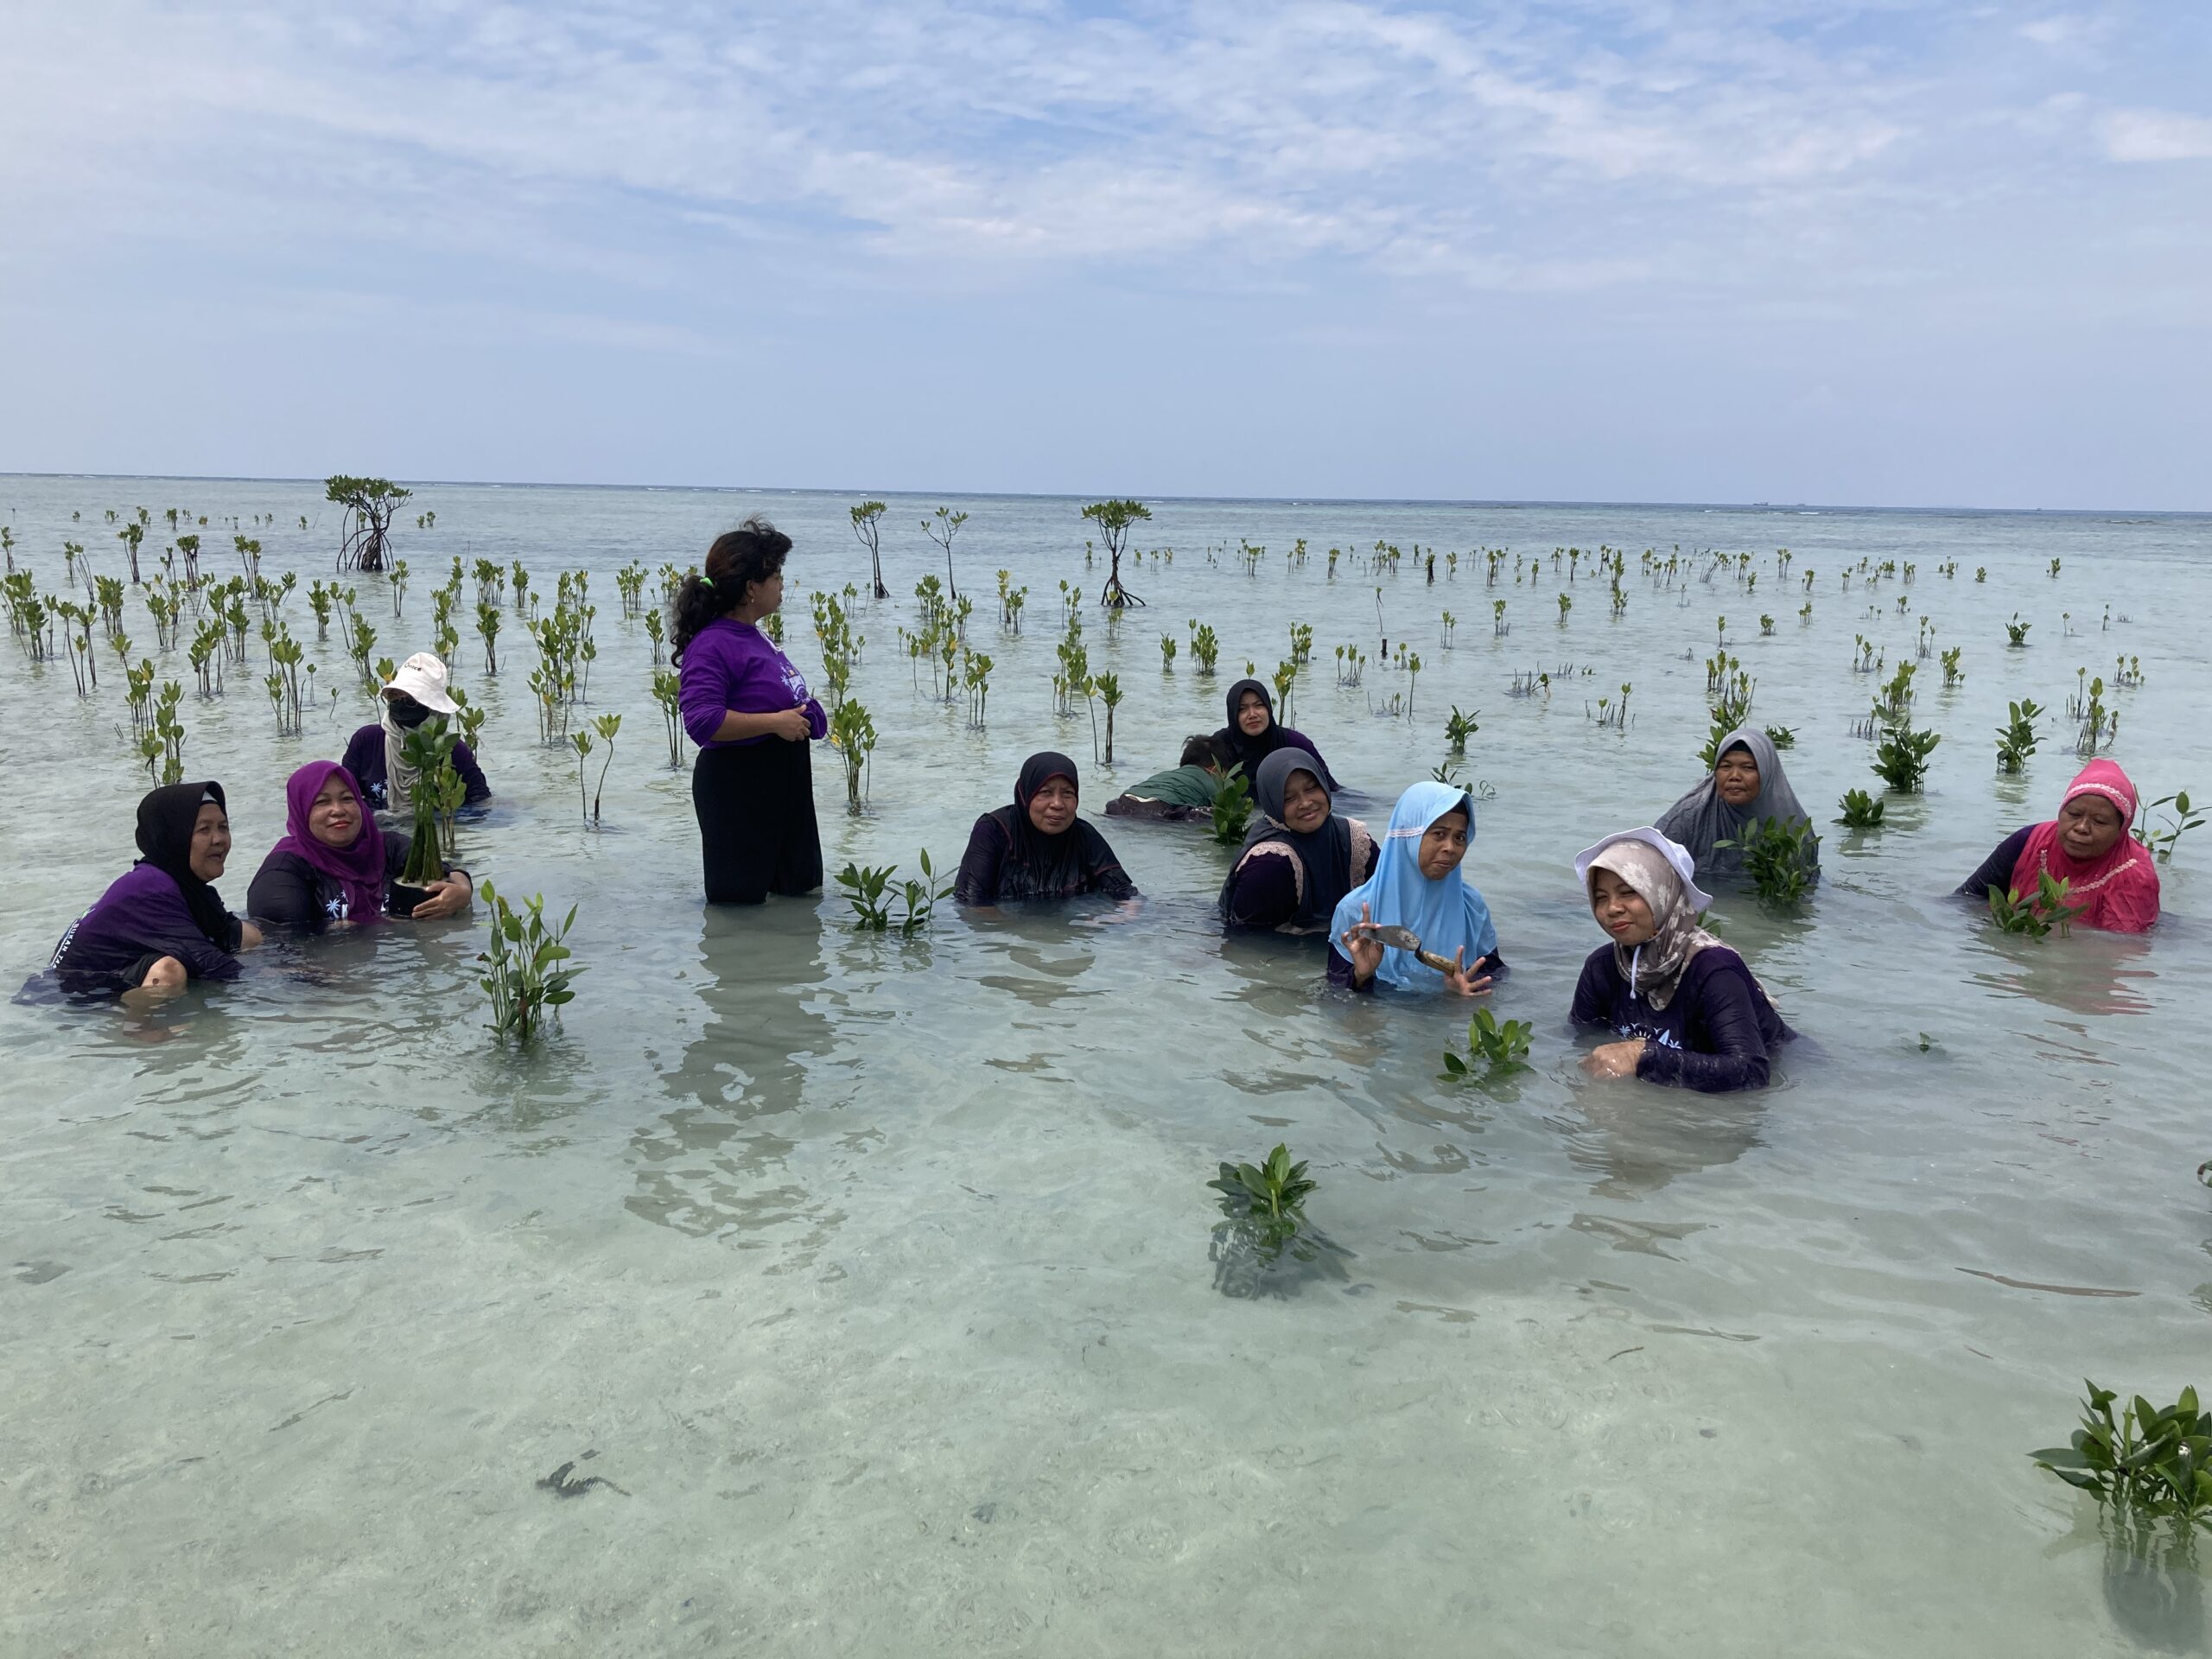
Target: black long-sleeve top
289, 893
1715, 1035
1997, 869
364, 759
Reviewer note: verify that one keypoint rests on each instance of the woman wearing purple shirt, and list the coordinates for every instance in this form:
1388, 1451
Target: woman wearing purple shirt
161, 924
747, 709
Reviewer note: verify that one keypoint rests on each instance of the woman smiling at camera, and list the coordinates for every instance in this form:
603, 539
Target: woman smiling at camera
334, 868
1683, 1005
1299, 858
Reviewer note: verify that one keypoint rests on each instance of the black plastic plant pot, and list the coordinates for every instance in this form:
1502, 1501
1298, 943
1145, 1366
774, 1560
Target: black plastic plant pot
404, 899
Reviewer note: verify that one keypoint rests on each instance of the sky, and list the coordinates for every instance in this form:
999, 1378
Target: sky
1745, 251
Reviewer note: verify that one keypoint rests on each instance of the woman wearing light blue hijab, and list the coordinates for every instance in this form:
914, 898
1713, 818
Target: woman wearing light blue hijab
1417, 887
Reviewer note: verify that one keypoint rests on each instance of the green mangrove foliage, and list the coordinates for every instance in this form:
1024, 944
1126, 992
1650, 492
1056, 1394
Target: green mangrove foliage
1114, 520
2150, 1463
527, 966
1265, 1201
1860, 810
2016, 738
1779, 856
2034, 915
1493, 1046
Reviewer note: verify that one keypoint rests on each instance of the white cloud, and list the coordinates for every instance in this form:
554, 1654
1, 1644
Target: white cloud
2157, 136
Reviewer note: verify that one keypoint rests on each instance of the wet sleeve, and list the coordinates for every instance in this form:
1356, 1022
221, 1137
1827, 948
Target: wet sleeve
1263, 892
464, 762
1738, 1058
282, 896
175, 934
1340, 973
1107, 876
978, 880
1997, 869
1593, 993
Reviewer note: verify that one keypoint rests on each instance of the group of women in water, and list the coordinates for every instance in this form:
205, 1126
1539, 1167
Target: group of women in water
1680, 1006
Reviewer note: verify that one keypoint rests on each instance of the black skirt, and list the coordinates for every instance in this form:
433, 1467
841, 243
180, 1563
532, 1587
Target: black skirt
757, 834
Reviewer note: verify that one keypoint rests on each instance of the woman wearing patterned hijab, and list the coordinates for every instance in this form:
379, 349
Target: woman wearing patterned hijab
1682, 1005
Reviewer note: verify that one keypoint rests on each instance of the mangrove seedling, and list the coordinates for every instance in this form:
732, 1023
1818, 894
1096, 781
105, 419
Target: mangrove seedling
1901, 759
1168, 653
2148, 1463
852, 732
606, 726
2034, 915
2016, 631
525, 968
1109, 693
1494, 1045
921, 898
941, 529
427, 753
2161, 839
864, 887
1459, 727
668, 692
1232, 806
867, 525
1779, 856
1266, 1201
1860, 810
2016, 738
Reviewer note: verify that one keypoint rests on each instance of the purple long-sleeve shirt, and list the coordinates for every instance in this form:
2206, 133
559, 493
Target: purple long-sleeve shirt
364, 759
733, 666
139, 920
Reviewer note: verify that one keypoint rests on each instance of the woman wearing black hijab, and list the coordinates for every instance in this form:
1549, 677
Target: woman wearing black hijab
161, 923
1037, 849
1252, 735
1299, 857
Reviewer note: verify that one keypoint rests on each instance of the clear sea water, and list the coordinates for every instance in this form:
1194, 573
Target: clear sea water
878, 1277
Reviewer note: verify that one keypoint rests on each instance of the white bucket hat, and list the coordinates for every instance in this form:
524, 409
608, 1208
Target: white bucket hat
1673, 851
422, 678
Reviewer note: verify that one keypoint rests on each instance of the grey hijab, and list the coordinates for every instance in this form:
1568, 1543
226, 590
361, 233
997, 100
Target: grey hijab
1701, 817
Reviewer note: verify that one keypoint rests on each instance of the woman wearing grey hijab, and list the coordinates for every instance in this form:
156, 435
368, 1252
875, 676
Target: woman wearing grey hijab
1746, 783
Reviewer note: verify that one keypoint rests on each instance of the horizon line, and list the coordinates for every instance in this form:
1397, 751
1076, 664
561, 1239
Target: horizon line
1063, 495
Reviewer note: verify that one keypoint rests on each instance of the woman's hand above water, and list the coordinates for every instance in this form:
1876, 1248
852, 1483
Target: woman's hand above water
448, 896
1457, 979
1614, 1060
1361, 948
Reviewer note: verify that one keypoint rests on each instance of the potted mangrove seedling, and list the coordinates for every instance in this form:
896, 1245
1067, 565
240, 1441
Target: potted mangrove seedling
427, 753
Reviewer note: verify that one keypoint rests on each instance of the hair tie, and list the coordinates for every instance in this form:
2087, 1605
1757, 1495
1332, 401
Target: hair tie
706, 581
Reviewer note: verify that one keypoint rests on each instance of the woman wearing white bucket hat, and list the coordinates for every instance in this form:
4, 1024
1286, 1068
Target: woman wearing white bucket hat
1683, 1006
373, 755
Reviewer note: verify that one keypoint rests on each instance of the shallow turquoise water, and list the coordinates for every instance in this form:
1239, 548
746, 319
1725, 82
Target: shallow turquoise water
877, 1275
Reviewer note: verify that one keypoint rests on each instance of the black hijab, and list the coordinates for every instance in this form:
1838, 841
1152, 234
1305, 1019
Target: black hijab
1249, 752
1039, 866
1326, 853
166, 818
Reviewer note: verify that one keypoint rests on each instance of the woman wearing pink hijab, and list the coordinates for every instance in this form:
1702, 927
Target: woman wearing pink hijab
2112, 878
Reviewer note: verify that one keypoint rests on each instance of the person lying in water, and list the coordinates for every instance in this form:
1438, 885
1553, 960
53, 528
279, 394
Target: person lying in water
1185, 791
334, 868
1416, 892
1746, 784
1299, 857
374, 755
161, 925
1038, 848
1683, 1005
1252, 735
2112, 878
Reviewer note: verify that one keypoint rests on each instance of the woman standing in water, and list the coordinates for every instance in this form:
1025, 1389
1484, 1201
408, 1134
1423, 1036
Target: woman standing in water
1299, 858
1037, 848
161, 923
1417, 886
1746, 784
2112, 878
1252, 735
1684, 1006
748, 710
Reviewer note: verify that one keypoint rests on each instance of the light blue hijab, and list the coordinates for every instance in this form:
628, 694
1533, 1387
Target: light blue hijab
1444, 915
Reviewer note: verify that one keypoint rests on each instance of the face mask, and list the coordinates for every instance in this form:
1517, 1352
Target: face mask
407, 714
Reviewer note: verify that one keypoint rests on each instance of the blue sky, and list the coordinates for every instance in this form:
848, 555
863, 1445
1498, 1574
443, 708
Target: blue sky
1746, 250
